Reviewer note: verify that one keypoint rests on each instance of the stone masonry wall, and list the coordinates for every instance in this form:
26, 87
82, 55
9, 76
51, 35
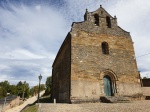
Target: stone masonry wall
61, 73
80, 65
88, 63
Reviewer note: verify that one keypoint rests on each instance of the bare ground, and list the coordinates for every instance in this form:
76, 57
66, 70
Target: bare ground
134, 106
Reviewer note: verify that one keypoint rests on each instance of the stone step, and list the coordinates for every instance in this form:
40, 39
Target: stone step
114, 99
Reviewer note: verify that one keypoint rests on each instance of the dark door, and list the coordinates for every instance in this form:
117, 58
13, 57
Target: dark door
107, 86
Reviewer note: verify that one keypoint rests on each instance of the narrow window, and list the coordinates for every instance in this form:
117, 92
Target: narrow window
105, 48
96, 17
108, 22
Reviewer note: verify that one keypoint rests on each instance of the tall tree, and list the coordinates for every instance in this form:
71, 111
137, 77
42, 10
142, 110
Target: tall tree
48, 85
4, 88
35, 89
13, 90
19, 88
23, 89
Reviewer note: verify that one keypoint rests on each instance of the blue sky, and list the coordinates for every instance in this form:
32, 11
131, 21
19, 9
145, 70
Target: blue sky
31, 32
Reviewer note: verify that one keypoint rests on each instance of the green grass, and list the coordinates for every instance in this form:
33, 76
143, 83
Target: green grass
33, 108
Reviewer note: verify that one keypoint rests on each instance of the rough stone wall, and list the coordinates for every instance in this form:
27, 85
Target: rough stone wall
61, 73
89, 26
146, 87
80, 65
88, 61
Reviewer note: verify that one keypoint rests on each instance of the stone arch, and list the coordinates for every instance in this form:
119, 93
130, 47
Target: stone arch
96, 19
110, 73
108, 21
113, 78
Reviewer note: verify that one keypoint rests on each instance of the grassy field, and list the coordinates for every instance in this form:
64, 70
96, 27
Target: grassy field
32, 108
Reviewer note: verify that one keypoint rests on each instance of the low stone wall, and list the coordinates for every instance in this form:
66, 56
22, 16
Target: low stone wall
11, 104
146, 91
145, 82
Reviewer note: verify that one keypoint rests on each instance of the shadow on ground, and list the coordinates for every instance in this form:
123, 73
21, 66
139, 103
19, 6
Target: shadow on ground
45, 99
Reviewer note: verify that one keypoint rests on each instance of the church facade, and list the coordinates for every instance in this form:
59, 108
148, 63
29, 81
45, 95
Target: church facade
96, 59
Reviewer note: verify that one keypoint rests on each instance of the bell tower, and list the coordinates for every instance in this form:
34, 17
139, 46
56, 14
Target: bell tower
96, 59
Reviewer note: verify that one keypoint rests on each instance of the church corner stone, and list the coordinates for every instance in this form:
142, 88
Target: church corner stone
96, 59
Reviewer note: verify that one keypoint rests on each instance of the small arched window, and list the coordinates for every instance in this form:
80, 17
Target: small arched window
105, 48
108, 21
96, 17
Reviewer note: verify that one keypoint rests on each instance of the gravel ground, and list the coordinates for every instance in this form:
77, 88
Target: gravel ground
135, 106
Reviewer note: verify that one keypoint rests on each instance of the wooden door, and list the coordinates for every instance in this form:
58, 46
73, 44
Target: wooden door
107, 86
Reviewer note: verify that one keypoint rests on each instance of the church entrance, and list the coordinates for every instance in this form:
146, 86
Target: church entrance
107, 85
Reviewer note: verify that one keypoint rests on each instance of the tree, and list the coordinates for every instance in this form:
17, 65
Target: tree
42, 87
145, 78
19, 88
4, 88
48, 85
32, 92
3, 92
26, 90
23, 89
35, 89
13, 90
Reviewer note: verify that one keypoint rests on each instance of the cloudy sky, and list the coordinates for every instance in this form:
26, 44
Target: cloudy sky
32, 31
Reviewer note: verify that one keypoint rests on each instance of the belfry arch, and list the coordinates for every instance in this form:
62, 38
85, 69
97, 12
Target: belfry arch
109, 77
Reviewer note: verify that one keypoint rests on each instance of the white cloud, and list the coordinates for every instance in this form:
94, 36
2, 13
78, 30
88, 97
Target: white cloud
21, 54
38, 8
27, 25
30, 37
145, 74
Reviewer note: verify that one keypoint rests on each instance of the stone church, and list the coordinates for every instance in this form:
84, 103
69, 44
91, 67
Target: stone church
96, 59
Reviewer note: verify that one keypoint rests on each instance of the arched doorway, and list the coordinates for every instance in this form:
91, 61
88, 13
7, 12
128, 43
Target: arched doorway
107, 85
